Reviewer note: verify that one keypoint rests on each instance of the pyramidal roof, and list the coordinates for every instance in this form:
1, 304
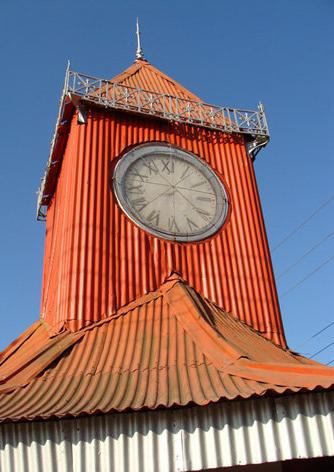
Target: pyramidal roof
141, 74
170, 347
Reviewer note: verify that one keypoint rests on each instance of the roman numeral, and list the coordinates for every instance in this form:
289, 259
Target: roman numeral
154, 217
172, 226
205, 199
191, 224
198, 184
203, 213
167, 166
185, 173
151, 166
139, 203
142, 177
134, 189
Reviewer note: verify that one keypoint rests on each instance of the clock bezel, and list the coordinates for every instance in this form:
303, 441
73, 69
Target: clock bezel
164, 149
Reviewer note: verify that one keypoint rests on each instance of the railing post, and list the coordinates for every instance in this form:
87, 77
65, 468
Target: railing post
107, 91
113, 95
67, 77
201, 113
138, 100
222, 111
262, 118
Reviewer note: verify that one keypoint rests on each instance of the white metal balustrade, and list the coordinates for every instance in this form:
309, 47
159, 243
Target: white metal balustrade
114, 95
81, 89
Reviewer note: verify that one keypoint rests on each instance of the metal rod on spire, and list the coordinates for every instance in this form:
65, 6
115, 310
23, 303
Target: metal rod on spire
139, 52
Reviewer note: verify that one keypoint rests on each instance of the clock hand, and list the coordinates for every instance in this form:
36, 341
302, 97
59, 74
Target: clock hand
199, 210
149, 182
196, 190
184, 177
191, 203
203, 213
160, 195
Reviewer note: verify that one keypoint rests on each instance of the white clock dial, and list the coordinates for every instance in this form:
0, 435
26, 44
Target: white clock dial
170, 193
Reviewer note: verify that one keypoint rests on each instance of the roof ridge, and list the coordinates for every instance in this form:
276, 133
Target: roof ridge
166, 285
18, 342
220, 352
230, 359
39, 360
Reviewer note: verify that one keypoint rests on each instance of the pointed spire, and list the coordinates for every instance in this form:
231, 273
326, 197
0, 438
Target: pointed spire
139, 52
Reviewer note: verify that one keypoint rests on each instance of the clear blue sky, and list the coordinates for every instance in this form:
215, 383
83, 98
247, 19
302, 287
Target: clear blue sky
229, 53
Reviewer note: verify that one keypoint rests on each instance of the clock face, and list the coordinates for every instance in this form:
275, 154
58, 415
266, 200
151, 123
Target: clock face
170, 193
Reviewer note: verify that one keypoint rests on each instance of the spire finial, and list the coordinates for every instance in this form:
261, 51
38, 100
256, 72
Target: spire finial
139, 52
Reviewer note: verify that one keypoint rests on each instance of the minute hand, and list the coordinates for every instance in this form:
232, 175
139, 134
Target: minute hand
160, 195
191, 203
184, 177
196, 190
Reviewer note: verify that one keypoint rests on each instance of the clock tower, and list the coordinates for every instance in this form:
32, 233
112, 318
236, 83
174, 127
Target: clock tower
145, 180
160, 344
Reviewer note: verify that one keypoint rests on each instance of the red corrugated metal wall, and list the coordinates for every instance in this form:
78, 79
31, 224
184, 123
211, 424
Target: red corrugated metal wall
96, 260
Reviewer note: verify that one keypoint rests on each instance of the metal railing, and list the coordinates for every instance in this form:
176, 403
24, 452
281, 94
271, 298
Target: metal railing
81, 88
114, 95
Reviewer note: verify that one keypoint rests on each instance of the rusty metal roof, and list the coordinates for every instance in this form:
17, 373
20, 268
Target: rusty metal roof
168, 348
141, 74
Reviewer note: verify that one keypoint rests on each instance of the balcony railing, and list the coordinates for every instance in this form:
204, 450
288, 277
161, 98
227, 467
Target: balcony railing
113, 95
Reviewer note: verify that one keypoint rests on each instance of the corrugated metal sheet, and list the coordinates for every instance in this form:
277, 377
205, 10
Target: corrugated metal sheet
170, 347
221, 435
97, 260
34, 352
145, 76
